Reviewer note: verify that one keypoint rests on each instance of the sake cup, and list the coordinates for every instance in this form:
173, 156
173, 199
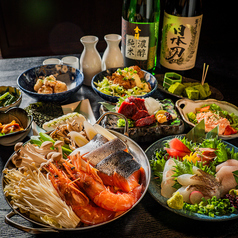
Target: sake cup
51, 61
71, 61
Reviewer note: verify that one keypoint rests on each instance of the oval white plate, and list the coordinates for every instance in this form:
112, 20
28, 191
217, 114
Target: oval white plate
185, 106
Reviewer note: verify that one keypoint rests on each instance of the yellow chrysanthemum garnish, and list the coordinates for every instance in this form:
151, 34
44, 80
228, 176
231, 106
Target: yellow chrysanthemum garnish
192, 157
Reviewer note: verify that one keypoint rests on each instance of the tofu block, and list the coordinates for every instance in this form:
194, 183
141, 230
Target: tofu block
202, 93
176, 88
207, 89
192, 93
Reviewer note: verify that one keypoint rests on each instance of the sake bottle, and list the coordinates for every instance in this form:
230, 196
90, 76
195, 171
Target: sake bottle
140, 28
180, 34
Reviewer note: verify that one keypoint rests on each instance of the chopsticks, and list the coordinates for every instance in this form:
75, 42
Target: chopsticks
204, 73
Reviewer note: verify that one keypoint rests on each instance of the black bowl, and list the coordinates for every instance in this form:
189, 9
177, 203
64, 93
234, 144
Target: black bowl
100, 76
67, 74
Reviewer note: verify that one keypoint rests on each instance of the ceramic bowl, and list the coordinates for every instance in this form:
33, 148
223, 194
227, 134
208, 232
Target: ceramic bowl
15, 92
67, 74
22, 118
185, 106
99, 77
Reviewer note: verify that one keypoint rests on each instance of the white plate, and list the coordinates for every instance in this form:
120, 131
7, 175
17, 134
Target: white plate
185, 106
84, 109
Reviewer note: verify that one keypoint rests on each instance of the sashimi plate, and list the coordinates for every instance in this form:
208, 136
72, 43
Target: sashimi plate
155, 189
146, 133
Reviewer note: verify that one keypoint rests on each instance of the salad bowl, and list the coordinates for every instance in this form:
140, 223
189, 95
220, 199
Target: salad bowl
100, 76
186, 106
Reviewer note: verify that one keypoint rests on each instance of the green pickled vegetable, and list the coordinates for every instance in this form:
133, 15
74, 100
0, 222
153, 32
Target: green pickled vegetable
211, 207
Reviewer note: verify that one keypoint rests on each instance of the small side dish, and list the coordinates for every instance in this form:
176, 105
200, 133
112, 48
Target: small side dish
193, 91
11, 127
127, 81
213, 116
52, 90
15, 125
214, 112
9, 97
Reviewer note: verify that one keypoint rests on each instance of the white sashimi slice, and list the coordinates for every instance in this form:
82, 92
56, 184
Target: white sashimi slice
104, 132
185, 193
89, 129
226, 178
167, 189
79, 139
230, 162
169, 166
196, 170
189, 179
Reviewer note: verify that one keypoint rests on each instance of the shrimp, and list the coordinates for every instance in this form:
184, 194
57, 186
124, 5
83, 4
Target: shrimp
82, 207
99, 193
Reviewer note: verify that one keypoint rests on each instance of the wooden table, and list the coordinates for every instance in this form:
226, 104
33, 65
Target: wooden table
148, 218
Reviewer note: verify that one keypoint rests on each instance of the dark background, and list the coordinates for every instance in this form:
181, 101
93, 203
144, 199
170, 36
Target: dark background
49, 27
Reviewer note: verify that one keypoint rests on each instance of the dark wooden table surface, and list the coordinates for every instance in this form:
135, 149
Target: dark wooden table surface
148, 218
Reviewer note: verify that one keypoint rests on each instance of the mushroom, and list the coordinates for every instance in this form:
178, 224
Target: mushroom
27, 153
55, 156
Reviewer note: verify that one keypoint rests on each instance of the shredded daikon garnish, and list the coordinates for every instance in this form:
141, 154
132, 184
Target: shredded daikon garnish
31, 191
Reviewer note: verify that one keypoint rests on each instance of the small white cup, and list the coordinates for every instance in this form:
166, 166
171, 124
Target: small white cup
52, 61
71, 61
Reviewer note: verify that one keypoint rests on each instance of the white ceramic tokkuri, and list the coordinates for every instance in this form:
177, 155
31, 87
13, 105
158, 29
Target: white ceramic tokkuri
112, 57
90, 60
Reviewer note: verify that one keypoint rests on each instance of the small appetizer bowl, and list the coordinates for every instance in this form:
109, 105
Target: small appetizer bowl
185, 106
100, 76
15, 102
22, 118
72, 77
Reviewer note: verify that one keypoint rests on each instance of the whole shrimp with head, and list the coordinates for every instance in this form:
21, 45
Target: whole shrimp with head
101, 195
71, 194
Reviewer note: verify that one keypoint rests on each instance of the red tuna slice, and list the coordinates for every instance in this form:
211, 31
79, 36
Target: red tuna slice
146, 121
140, 114
179, 145
128, 109
140, 102
176, 153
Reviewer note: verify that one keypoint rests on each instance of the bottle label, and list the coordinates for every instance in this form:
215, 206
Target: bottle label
180, 36
139, 43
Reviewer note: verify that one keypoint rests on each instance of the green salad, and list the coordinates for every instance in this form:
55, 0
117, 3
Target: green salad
107, 86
